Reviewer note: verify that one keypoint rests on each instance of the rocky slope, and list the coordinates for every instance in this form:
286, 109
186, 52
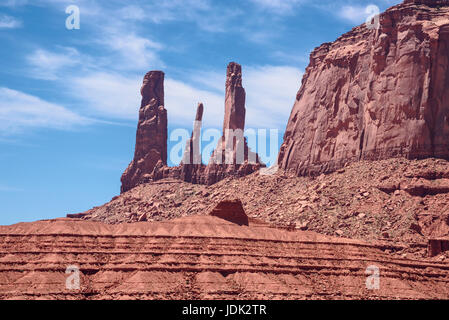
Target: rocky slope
203, 258
397, 200
374, 94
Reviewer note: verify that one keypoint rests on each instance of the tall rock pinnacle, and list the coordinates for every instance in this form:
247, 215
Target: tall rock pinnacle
192, 154
235, 99
232, 156
151, 136
191, 167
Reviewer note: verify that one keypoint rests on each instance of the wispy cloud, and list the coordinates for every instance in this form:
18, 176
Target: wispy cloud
132, 12
13, 3
181, 101
111, 95
134, 52
271, 92
106, 83
270, 96
278, 6
354, 14
19, 110
47, 65
9, 22
106, 94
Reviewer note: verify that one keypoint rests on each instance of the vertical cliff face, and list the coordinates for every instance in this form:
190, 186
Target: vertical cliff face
374, 93
151, 136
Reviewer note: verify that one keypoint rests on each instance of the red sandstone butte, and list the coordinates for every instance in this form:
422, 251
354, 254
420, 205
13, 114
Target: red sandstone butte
232, 211
151, 137
374, 94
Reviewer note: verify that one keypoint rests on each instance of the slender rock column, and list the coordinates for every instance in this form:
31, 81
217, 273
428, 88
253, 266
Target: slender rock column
151, 136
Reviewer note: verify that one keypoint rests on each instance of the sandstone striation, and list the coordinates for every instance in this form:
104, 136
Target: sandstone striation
203, 257
151, 136
374, 94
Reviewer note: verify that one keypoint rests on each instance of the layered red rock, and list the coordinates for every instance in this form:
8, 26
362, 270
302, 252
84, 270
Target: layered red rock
374, 94
232, 211
151, 136
203, 258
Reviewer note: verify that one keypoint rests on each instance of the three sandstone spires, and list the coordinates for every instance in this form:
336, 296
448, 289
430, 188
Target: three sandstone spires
232, 157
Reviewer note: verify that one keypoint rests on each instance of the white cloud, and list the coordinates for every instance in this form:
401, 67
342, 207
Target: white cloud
270, 92
135, 52
8, 22
47, 65
133, 12
114, 96
182, 99
213, 80
353, 14
19, 110
107, 94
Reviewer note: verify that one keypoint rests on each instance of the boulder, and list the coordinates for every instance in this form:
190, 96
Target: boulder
232, 211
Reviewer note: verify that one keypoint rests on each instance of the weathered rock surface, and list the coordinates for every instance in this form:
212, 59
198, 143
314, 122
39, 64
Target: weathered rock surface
151, 136
232, 211
203, 257
232, 157
375, 94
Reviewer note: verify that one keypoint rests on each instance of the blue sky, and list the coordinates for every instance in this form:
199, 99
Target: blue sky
69, 98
